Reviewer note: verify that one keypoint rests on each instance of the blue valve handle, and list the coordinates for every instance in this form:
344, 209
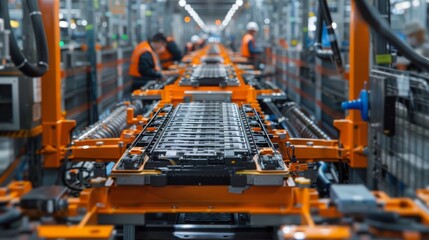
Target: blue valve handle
361, 104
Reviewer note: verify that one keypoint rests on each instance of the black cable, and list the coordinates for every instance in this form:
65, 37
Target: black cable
18, 58
323, 14
324, 54
9, 215
82, 168
336, 56
372, 17
64, 173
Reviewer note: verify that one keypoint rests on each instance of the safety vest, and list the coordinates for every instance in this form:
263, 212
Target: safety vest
245, 52
140, 49
166, 57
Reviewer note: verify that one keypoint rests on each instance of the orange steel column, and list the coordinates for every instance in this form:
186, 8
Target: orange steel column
353, 130
56, 130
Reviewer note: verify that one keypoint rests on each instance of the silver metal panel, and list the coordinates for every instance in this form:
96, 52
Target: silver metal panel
122, 219
203, 130
132, 180
7, 153
4, 47
210, 75
14, 124
210, 96
266, 180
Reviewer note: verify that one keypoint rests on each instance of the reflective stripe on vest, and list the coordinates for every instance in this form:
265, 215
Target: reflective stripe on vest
245, 52
140, 49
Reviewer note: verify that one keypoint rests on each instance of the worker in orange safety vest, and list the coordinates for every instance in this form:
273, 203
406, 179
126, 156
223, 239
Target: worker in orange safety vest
171, 54
248, 45
144, 64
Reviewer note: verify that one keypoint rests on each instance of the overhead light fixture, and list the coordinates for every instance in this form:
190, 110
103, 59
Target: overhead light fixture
193, 14
64, 24
231, 13
402, 5
182, 3
267, 21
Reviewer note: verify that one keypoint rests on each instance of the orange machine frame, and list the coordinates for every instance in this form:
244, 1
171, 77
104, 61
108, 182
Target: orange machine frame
284, 200
56, 130
353, 130
112, 149
140, 200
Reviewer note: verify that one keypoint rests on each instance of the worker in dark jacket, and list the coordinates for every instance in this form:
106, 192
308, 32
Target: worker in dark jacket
171, 54
145, 63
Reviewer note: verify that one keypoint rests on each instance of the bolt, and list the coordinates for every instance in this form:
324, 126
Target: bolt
99, 143
302, 182
100, 205
310, 144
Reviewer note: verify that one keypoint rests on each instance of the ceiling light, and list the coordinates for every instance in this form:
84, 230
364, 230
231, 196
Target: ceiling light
403, 5
182, 3
64, 24
231, 13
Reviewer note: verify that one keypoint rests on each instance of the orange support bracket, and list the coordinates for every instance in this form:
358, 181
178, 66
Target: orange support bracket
75, 232
353, 130
56, 130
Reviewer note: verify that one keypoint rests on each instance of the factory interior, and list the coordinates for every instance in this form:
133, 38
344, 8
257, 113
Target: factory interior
214, 119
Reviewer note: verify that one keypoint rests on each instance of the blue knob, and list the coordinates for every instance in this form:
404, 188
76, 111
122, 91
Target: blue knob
361, 104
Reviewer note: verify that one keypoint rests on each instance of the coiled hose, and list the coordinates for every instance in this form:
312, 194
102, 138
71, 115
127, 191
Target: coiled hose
303, 125
306, 128
112, 126
18, 58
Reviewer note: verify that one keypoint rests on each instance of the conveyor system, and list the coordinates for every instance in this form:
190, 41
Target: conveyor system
204, 144
111, 126
212, 60
214, 50
210, 75
206, 163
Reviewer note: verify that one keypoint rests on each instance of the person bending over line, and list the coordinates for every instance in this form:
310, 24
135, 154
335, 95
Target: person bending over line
170, 54
144, 64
